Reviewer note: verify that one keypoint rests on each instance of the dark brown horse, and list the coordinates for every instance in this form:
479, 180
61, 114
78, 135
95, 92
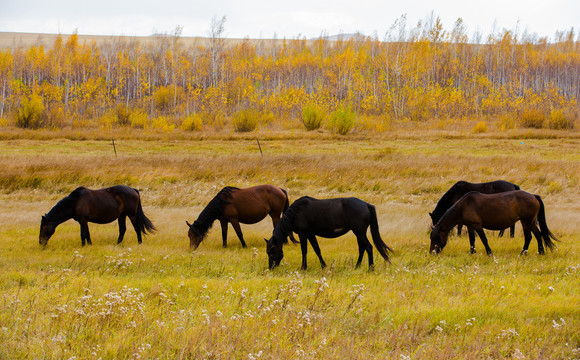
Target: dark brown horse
97, 206
461, 188
331, 218
235, 206
495, 211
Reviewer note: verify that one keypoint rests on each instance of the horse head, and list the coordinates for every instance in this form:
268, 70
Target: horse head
195, 236
46, 230
438, 239
274, 251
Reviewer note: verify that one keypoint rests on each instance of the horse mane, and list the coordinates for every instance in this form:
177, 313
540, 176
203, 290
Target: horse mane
284, 227
63, 208
446, 200
451, 212
213, 210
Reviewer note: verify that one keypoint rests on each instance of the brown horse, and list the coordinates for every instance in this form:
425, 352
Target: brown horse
235, 206
98, 206
495, 211
461, 188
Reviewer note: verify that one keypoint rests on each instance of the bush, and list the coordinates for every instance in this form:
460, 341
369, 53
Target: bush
246, 120
123, 113
561, 120
139, 119
29, 114
532, 118
480, 127
342, 120
192, 123
162, 98
162, 123
312, 117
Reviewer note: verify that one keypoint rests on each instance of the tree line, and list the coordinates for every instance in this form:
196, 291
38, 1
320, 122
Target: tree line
424, 73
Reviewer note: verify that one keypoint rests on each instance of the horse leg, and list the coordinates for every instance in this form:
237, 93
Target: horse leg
361, 252
483, 238
538, 236
471, 234
316, 248
512, 230
527, 238
122, 228
364, 245
500, 233
137, 231
459, 226
85, 235
238, 230
304, 248
224, 225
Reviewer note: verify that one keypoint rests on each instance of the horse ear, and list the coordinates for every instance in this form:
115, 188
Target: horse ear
43, 217
266, 240
188, 224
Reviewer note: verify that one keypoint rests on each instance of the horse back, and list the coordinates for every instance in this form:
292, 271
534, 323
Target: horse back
498, 210
106, 205
251, 205
332, 217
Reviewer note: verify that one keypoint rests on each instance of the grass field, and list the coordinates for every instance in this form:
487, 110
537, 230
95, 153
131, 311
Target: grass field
159, 300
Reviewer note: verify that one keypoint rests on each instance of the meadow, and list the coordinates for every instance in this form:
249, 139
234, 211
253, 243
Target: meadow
161, 300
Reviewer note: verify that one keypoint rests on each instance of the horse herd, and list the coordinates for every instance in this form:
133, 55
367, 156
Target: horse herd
495, 205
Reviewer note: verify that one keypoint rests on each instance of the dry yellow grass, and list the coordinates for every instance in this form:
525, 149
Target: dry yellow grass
159, 300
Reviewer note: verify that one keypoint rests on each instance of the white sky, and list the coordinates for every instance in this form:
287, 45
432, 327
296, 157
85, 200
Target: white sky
288, 19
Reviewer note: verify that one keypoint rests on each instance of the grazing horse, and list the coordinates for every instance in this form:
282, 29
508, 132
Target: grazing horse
461, 188
233, 205
309, 217
98, 206
495, 211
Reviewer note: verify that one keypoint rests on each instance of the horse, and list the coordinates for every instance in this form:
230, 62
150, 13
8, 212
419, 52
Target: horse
495, 211
331, 218
98, 206
235, 206
461, 188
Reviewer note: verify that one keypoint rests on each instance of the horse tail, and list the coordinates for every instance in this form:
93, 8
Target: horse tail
144, 225
547, 235
287, 204
379, 243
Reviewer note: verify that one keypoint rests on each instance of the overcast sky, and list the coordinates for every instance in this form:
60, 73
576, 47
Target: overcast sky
283, 19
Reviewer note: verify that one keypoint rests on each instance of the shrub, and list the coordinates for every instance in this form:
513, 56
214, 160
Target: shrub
192, 123
560, 120
312, 117
123, 113
506, 122
342, 120
162, 123
480, 127
532, 118
29, 114
139, 119
246, 120
162, 97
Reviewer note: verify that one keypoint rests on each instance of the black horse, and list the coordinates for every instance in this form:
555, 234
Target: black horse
461, 188
98, 206
309, 217
495, 211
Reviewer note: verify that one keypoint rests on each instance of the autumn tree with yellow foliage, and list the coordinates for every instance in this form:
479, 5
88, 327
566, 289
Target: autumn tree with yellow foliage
419, 74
